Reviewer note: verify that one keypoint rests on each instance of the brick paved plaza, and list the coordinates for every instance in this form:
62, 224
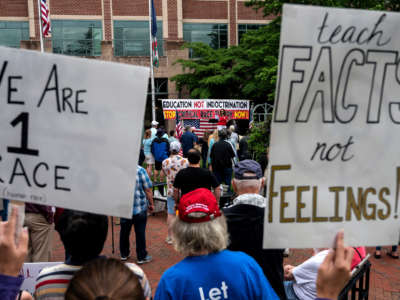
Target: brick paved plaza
385, 273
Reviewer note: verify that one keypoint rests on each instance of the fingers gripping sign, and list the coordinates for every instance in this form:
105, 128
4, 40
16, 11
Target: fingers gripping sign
335, 271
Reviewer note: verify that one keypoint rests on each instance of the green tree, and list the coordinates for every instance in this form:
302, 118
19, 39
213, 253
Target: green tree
259, 139
274, 7
247, 71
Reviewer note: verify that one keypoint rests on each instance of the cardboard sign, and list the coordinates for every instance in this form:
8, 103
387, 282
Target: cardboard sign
205, 108
335, 133
70, 131
30, 271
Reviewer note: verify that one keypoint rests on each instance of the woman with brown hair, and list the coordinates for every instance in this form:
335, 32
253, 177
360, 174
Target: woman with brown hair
222, 119
105, 279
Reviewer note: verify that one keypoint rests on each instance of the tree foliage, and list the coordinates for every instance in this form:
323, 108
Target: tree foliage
247, 71
259, 139
274, 7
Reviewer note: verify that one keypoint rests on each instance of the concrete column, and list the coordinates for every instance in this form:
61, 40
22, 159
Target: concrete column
180, 19
107, 20
173, 19
31, 17
107, 50
232, 22
30, 45
165, 19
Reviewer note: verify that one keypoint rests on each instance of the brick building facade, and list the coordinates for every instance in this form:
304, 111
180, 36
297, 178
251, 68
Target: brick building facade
117, 30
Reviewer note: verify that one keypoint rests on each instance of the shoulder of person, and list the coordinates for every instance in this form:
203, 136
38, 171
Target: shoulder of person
141, 170
180, 173
207, 171
176, 271
226, 211
247, 261
135, 269
56, 270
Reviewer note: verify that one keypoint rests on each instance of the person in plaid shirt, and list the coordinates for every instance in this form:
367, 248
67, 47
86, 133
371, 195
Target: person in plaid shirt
143, 201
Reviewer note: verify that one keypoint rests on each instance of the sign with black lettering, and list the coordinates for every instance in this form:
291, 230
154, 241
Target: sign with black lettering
69, 131
205, 108
336, 130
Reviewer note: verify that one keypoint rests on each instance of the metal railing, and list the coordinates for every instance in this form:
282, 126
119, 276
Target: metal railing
135, 47
262, 112
83, 47
358, 286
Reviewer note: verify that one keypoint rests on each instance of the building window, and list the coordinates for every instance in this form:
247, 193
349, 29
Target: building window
80, 38
243, 28
131, 38
214, 35
12, 33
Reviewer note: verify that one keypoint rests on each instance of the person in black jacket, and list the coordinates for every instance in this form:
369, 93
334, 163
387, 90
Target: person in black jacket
222, 155
245, 219
160, 151
243, 151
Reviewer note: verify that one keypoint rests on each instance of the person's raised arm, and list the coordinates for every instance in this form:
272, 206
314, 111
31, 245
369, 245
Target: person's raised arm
335, 270
12, 256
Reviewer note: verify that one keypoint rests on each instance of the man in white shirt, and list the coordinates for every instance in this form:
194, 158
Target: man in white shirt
303, 278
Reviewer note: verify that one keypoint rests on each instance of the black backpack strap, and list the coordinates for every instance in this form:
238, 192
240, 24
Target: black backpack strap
359, 254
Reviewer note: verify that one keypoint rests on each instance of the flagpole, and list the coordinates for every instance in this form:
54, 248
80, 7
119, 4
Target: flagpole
40, 26
153, 96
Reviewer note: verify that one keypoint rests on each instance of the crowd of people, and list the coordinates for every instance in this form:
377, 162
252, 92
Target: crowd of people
222, 245
208, 271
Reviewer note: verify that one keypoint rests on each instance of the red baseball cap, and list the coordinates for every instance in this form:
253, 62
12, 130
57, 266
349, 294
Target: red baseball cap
202, 201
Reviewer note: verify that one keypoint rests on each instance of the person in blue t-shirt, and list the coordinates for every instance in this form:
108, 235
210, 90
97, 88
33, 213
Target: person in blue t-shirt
188, 140
209, 271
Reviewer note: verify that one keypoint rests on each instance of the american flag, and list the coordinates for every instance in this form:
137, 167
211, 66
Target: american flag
201, 126
178, 127
44, 12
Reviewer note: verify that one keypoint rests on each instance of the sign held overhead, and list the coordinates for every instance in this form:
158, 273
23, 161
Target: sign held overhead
335, 130
69, 131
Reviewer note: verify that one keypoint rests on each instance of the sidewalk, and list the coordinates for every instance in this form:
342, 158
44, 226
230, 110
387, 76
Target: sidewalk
385, 273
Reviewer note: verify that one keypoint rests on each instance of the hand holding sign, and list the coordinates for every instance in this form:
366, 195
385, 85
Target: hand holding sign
335, 271
12, 254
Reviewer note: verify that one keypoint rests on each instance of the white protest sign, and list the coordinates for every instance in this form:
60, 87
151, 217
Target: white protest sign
70, 131
335, 132
30, 271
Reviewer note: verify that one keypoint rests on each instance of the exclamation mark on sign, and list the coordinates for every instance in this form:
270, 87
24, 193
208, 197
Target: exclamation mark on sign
397, 194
